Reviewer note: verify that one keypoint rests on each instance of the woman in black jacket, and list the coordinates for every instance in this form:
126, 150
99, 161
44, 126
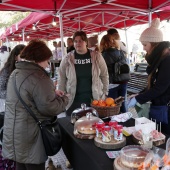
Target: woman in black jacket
111, 52
158, 90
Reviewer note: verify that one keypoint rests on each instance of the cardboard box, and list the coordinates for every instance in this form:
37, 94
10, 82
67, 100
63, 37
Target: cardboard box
144, 124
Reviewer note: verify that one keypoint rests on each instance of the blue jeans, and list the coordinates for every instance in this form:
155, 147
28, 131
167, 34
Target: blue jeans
165, 128
120, 90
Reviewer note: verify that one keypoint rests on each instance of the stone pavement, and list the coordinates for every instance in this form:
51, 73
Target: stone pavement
59, 159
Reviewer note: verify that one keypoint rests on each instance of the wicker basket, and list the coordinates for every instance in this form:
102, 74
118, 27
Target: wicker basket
107, 111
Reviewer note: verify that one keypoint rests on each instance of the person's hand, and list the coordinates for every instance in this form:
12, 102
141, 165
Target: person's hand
67, 94
55, 83
132, 102
131, 96
60, 93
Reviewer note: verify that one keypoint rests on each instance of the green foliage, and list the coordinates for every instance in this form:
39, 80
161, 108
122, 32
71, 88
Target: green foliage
9, 18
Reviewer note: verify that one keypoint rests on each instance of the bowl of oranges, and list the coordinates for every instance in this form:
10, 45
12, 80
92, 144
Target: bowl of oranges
107, 107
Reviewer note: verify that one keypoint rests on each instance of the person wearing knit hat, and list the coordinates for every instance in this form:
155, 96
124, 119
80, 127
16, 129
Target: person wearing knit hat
158, 89
153, 33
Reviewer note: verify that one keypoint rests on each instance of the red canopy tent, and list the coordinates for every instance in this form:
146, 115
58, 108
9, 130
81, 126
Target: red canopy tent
88, 15
66, 5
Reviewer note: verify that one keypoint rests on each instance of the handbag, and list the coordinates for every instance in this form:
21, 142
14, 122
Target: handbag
159, 113
50, 130
121, 72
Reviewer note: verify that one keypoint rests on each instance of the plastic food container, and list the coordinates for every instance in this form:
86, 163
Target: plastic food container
86, 125
158, 156
133, 156
80, 112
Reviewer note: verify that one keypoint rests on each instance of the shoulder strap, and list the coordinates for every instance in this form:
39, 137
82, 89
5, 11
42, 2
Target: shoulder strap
122, 57
24, 104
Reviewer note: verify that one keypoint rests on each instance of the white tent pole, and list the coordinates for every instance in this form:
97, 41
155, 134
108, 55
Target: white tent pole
127, 7
61, 34
80, 8
79, 21
7, 43
161, 5
150, 12
61, 6
23, 35
126, 41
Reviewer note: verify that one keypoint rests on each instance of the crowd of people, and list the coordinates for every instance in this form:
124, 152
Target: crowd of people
85, 74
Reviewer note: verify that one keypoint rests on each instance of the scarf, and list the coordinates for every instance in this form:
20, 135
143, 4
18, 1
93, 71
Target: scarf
154, 59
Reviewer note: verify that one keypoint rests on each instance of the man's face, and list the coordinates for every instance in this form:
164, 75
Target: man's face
55, 44
69, 43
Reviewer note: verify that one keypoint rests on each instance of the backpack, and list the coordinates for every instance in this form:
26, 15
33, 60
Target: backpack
121, 70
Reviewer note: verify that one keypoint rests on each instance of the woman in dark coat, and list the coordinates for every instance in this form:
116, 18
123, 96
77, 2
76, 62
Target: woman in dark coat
158, 59
112, 53
22, 140
4, 76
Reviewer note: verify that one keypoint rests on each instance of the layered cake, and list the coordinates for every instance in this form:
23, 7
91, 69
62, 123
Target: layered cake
133, 156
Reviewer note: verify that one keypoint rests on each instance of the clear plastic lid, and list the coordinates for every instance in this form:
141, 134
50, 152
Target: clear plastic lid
133, 156
87, 124
79, 112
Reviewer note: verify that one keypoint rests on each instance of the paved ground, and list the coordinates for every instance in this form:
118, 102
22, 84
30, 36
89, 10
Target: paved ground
60, 158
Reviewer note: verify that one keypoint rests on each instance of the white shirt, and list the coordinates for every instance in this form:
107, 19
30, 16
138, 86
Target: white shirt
59, 53
55, 55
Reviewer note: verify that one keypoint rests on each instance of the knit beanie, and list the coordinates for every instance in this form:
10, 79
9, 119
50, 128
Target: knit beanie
152, 34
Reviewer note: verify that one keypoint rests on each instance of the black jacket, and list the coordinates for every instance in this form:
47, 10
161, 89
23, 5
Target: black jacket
70, 49
112, 55
159, 93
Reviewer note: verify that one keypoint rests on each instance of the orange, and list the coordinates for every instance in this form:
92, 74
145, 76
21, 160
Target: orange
113, 104
103, 104
95, 102
100, 101
109, 101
